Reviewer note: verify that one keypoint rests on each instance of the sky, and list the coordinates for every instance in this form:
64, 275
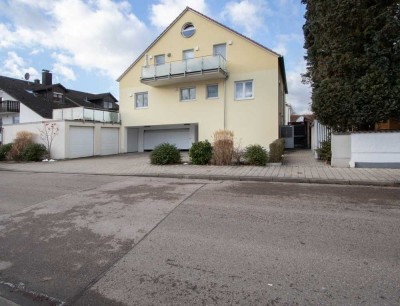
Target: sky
88, 44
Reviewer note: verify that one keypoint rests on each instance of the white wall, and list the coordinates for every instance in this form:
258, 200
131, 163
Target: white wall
58, 147
26, 115
341, 150
376, 149
368, 150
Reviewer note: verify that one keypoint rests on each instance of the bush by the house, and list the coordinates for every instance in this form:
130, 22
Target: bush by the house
4, 149
223, 147
276, 150
22, 140
34, 152
256, 155
165, 154
324, 152
201, 153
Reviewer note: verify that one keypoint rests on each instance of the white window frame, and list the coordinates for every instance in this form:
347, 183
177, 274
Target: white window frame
211, 98
187, 51
136, 97
244, 90
190, 99
159, 56
218, 45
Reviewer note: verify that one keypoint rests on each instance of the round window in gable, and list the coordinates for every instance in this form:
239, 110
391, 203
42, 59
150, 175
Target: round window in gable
188, 30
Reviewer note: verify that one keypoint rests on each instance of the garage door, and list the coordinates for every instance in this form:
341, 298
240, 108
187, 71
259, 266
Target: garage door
178, 137
81, 141
109, 141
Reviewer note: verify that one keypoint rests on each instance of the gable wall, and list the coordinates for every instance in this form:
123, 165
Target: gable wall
253, 121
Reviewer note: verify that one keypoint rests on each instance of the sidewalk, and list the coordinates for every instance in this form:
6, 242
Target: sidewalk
299, 166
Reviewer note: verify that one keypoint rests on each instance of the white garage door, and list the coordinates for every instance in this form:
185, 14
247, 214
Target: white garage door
81, 141
178, 137
109, 141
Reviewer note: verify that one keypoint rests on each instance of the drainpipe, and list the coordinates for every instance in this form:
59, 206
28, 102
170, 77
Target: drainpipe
224, 104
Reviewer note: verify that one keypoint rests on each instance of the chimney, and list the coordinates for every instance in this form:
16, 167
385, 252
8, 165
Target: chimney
47, 77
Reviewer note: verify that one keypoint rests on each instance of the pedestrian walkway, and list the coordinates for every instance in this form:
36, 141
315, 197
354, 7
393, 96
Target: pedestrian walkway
299, 166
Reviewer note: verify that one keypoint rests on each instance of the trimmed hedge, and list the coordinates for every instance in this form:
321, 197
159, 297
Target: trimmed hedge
276, 150
201, 153
34, 152
256, 155
4, 149
165, 154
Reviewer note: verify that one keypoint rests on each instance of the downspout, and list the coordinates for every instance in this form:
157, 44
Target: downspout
224, 104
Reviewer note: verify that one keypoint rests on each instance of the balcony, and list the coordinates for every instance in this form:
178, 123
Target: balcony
86, 114
195, 69
9, 107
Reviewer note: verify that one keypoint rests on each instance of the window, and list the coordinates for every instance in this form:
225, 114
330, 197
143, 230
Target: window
188, 30
57, 97
244, 90
108, 104
188, 94
220, 50
212, 91
141, 100
159, 59
188, 54
16, 120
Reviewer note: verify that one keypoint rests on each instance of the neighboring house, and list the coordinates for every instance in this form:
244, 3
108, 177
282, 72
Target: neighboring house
198, 77
88, 123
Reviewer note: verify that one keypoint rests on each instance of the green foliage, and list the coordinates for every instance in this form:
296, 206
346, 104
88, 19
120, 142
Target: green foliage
165, 154
201, 153
4, 149
276, 150
256, 155
353, 61
34, 152
325, 152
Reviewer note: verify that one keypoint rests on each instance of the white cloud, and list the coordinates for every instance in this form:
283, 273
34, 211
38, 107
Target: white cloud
62, 70
283, 40
15, 66
101, 35
163, 13
246, 14
299, 94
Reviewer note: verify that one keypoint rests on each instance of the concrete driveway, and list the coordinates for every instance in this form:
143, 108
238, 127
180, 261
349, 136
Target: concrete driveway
98, 240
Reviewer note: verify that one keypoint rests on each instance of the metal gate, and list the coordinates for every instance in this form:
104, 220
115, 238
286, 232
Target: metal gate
287, 132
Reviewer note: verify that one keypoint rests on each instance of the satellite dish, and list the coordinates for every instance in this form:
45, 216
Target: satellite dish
27, 76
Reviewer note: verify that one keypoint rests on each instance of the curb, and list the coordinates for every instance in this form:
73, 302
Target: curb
270, 179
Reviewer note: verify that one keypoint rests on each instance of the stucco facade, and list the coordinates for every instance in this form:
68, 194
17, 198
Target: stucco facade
253, 120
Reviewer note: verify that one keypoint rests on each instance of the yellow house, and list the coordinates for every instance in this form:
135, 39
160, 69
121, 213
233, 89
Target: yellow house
198, 77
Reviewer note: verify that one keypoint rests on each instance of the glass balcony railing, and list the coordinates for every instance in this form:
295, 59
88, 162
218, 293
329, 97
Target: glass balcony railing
86, 114
213, 65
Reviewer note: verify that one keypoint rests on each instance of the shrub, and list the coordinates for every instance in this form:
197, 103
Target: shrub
223, 147
238, 153
201, 153
4, 149
165, 154
34, 152
325, 152
276, 150
21, 141
256, 155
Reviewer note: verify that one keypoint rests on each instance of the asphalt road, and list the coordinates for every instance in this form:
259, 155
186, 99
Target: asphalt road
100, 240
